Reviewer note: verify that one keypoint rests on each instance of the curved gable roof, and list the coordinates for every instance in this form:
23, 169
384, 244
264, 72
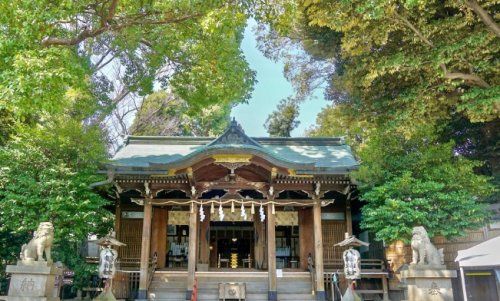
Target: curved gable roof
305, 155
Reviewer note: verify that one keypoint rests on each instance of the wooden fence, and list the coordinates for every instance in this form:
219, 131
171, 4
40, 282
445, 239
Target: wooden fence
374, 279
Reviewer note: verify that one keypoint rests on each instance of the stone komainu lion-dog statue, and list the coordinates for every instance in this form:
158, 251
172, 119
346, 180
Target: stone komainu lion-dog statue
424, 252
41, 242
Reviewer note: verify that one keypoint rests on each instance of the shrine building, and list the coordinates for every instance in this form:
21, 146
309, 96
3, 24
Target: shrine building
235, 208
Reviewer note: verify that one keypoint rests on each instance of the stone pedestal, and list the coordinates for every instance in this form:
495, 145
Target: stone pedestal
428, 283
34, 281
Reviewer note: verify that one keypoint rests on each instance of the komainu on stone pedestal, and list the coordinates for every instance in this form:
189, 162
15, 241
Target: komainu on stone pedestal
37, 281
33, 278
425, 283
39, 244
423, 251
427, 279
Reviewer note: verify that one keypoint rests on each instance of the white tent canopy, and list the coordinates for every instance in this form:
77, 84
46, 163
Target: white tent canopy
484, 254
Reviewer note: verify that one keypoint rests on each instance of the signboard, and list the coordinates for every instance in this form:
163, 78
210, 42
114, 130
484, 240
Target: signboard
132, 214
67, 281
232, 291
333, 216
279, 273
67, 277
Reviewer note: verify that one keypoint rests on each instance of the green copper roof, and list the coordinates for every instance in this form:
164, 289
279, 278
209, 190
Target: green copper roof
306, 155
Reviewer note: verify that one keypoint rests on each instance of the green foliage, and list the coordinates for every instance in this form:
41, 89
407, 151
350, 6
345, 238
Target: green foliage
409, 78
407, 182
339, 120
164, 114
45, 176
282, 121
57, 60
55, 53
438, 56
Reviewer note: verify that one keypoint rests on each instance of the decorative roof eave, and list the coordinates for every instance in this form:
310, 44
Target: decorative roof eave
163, 171
209, 151
338, 170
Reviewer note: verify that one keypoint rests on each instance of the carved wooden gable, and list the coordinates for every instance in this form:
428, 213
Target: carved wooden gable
234, 135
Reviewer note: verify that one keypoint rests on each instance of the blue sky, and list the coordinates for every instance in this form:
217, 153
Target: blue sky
268, 91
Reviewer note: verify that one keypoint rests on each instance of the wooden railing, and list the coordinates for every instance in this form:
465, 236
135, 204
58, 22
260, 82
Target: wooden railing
332, 287
126, 280
312, 273
370, 269
152, 269
126, 284
366, 264
121, 262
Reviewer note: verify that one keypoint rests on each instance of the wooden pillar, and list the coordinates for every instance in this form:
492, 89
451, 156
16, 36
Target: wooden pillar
260, 243
318, 252
146, 238
348, 216
306, 235
385, 289
159, 235
204, 250
118, 219
271, 255
193, 230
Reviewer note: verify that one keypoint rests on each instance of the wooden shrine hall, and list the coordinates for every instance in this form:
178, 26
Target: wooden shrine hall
255, 206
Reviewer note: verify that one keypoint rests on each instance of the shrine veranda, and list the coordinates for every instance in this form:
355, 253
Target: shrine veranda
233, 203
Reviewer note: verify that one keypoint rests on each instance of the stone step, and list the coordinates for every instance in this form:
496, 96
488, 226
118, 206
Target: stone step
171, 286
249, 297
291, 287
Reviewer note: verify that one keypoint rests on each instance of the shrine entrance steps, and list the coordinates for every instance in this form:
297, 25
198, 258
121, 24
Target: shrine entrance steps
171, 285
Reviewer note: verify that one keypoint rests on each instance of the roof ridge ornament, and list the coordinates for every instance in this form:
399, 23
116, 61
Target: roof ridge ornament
234, 134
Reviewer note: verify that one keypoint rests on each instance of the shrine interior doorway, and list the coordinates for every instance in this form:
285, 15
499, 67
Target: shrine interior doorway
231, 244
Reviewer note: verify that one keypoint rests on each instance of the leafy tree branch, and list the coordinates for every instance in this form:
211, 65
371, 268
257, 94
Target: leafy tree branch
472, 79
484, 16
107, 26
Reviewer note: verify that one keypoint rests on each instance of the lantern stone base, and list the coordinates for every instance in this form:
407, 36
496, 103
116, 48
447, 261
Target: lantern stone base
428, 283
34, 281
